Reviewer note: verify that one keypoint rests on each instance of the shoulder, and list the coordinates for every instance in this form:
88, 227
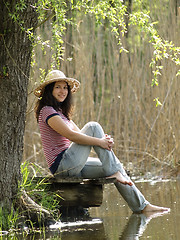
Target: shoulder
47, 112
48, 109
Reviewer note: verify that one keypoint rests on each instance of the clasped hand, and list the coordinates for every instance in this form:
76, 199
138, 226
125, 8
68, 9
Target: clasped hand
107, 142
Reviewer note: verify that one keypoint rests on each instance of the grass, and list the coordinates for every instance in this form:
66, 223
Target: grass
39, 192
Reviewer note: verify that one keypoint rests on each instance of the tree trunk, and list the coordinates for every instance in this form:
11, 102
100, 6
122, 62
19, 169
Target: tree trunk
15, 58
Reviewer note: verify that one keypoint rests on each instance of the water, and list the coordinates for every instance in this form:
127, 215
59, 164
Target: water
115, 221
119, 223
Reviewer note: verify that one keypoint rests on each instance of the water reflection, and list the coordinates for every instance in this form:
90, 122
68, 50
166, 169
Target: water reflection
117, 221
133, 230
137, 224
94, 229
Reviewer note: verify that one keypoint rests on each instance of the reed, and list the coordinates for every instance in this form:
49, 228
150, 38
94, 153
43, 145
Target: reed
116, 91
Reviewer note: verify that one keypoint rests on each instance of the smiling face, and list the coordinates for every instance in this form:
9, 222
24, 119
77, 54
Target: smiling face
60, 91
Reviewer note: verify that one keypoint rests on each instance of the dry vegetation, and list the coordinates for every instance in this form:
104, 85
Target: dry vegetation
116, 91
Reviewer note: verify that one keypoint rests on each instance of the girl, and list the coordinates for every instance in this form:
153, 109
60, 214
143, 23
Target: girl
53, 111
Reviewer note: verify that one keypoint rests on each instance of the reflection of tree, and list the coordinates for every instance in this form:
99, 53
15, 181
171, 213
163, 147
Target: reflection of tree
137, 225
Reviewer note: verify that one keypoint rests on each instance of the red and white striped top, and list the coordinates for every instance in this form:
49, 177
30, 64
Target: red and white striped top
53, 143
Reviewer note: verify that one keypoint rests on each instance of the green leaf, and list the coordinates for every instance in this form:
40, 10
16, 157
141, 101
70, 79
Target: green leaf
158, 103
178, 73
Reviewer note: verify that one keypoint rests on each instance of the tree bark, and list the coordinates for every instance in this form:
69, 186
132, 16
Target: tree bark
15, 58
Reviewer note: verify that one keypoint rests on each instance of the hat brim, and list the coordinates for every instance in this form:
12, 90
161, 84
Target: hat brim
73, 83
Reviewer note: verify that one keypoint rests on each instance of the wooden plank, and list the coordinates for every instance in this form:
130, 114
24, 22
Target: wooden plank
82, 180
68, 180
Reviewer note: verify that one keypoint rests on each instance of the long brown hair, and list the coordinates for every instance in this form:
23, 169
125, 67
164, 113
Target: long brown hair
47, 99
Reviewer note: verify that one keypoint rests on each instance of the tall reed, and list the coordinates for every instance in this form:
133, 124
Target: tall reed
116, 91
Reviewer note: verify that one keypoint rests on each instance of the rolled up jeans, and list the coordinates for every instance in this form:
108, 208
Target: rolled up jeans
76, 163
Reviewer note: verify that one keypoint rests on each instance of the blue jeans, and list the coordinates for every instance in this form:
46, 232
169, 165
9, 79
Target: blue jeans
76, 163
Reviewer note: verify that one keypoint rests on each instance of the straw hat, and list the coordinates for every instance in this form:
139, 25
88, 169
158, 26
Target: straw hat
55, 76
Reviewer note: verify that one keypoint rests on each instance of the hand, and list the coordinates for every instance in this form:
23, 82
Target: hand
110, 141
107, 142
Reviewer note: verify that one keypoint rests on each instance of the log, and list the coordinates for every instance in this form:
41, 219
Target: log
75, 194
77, 191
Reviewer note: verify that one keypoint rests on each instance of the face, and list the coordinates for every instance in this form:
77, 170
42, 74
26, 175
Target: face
60, 91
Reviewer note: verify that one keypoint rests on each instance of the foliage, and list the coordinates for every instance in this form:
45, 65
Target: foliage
111, 11
114, 12
162, 49
16, 14
8, 220
38, 190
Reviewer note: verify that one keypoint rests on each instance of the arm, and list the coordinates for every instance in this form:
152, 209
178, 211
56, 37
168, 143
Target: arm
75, 127
75, 135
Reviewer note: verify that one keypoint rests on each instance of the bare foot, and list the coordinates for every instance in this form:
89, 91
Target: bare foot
153, 208
120, 178
151, 215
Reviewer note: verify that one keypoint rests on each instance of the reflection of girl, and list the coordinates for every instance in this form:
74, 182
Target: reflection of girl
137, 224
53, 111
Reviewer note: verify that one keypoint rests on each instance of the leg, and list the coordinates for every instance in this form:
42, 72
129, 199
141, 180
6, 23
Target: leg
111, 166
74, 164
110, 162
136, 200
76, 156
73, 160
133, 197
93, 169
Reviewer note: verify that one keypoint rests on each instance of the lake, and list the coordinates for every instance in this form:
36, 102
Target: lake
114, 220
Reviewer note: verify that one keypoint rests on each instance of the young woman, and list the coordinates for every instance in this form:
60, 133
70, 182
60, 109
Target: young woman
53, 113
